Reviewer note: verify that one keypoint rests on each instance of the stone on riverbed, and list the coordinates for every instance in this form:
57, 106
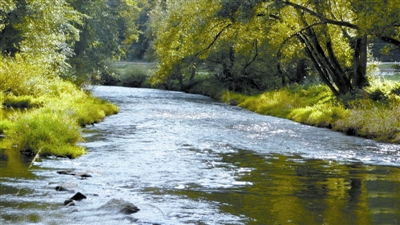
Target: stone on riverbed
77, 197
62, 188
74, 173
69, 202
67, 187
120, 206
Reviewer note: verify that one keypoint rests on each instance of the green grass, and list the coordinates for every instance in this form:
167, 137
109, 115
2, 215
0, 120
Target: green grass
21, 102
132, 74
43, 114
315, 105
47, 133
394, 78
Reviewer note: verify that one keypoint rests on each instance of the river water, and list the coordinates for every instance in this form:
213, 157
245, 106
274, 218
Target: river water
186, 159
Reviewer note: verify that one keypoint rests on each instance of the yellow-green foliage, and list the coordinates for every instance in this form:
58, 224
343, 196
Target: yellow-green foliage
40, 112
21, 102
295, 103
134, 74
46, 133
20, 76
316, 106
85, 109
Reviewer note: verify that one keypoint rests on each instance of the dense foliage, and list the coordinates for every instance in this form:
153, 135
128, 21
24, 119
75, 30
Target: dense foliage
107, 31
248, 43
41, 112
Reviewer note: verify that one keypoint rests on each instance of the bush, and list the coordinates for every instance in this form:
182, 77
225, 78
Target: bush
57, 109
395, 90
315, 105
20, 77
378, 96
45, 133
5, 125
132, 74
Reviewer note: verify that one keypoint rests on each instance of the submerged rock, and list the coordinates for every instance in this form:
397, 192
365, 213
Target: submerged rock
77, 197
120, 206
74, 173
66, 172
69, 202
61, 188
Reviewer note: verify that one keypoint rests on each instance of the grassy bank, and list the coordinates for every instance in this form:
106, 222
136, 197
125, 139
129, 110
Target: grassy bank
41, 113
131, 74
374, 115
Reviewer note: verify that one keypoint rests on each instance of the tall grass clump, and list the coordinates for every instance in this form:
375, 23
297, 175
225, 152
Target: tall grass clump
374, 114
45, 133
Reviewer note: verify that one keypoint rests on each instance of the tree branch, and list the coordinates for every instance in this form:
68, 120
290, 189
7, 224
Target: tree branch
214, 40
254, 57
390, 40
319, 16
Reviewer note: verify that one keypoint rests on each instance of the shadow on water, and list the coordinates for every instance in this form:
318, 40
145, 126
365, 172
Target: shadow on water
292, 190
14, 165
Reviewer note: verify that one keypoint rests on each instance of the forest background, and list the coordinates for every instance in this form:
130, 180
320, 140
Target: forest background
311, 61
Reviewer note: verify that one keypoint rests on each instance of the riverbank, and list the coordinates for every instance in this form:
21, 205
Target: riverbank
374, 115
43, 114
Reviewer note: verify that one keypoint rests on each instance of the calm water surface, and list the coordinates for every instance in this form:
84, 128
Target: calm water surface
186, 159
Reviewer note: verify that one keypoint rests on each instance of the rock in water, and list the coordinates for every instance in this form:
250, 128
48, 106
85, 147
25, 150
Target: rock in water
66, 172
129, 209
78, 197
61, 188
120, 206
82, 175
69, 202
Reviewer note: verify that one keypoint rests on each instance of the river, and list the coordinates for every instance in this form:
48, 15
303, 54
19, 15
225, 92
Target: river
186, 159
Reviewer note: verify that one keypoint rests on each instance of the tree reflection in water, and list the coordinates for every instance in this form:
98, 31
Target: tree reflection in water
292, 190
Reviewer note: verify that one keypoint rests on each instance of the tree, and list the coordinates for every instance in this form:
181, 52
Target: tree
334, 34
192, 35
107, 31
41, 30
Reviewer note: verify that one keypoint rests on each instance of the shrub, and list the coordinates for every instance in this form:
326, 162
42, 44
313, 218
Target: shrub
378, 96
132, 74
45, 133
395, 90
20, 77
5, 125
365, 115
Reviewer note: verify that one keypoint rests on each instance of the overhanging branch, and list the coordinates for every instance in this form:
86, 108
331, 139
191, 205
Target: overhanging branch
215, 39
319, 16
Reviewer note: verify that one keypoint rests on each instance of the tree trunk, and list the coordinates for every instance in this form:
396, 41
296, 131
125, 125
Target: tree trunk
360, 63
318, 64
300, 71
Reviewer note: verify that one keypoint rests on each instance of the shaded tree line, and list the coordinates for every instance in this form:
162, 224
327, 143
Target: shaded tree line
73, 38
261, 44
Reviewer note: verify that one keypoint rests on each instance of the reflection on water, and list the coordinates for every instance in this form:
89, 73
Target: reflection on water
185, 159
291, 190
15, 168
12, 164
